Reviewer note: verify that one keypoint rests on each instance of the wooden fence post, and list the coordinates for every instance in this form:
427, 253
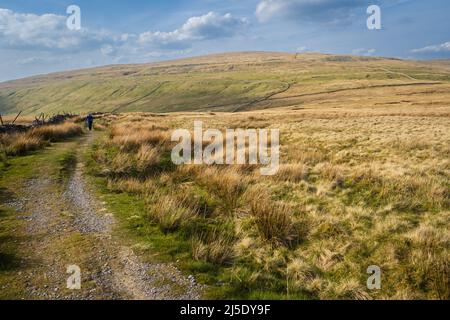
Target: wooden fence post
17, 117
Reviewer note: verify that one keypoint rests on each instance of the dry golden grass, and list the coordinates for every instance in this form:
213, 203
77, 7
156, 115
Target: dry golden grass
227, 184
131, 138
56, 132
170, 213
19, 144
292, 172
34, 139
358, 186
147, 157
274, 220
213, 247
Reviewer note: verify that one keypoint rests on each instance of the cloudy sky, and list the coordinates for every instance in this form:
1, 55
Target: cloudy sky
35, 39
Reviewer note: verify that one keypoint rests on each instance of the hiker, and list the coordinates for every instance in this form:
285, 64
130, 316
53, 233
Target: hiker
90, 121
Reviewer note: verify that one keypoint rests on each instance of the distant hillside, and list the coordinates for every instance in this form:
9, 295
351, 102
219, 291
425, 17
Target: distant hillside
224, 82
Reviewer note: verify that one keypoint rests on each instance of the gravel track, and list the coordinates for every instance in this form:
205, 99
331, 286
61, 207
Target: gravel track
111, 270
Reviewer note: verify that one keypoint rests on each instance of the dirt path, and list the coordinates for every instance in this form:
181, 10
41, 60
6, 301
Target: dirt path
399, 73
251, 103
275, 96
66, 225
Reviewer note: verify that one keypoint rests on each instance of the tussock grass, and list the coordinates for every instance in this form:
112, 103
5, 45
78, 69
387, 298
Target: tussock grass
147, 157
349, 290
274, 220
171, 214
429, 264
292, 172
227, 184
213, 247
300, 271
413, 193
17, 144
349, 194
132, 138
330, 172
56, 132
20, 144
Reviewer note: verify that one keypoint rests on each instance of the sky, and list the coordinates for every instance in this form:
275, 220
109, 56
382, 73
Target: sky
35, 38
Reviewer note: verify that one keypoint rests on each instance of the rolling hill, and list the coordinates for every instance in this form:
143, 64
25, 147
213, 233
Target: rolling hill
232, 82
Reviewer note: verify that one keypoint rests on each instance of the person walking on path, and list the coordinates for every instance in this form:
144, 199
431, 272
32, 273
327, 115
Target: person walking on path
90, 121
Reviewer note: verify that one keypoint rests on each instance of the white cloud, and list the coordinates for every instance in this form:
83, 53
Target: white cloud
364, 52
208, 26
39, 60
267, 9
33, 43
46, 32
330, 11
439, 48
108, 50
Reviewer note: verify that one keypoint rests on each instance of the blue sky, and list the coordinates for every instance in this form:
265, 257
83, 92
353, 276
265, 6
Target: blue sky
34, 38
